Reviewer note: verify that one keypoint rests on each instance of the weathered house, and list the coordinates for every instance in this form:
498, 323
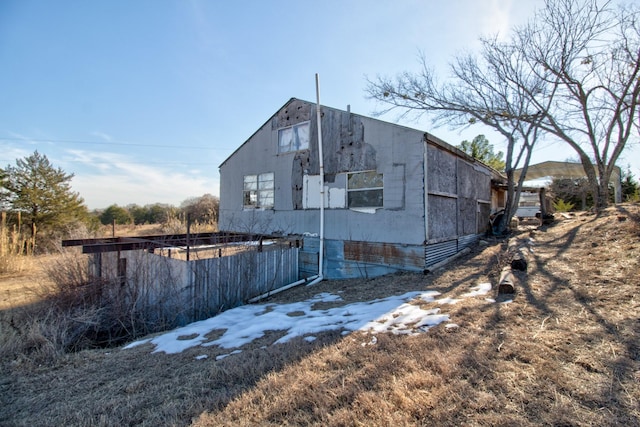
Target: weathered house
395, 198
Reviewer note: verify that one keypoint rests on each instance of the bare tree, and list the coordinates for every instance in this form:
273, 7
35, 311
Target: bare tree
203, 209
491, 88
572, 72
592, 54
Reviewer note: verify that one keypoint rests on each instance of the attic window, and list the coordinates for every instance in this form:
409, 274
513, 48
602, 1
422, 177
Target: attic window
258, 191
364, 189
293, 138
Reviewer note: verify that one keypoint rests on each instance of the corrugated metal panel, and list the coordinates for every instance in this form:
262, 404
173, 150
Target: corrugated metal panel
469, 240
437, 252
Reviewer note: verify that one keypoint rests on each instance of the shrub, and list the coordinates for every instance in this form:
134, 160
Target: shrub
77, 311
562, 206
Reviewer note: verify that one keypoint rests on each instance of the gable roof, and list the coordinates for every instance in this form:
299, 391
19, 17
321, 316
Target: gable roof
428, 137
256, 131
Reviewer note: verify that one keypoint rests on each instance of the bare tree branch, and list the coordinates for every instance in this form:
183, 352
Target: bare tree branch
572, 72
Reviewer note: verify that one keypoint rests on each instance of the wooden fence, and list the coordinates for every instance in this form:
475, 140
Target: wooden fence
222, 283
177, 292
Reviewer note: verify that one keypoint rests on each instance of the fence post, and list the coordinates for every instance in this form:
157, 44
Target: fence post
188, 234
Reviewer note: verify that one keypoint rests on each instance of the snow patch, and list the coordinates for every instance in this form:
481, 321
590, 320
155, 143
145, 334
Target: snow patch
481, 289
244, 324
448, 300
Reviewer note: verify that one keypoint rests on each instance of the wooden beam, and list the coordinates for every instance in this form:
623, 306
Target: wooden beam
114, 244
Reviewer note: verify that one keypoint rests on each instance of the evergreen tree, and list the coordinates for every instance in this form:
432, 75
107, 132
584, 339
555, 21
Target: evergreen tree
42, 195
160, 213
120, 215
139, 214
481, 149
630, 188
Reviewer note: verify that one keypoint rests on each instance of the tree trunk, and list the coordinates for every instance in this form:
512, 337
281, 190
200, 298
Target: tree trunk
503, 224
603, 193
32, 243
592, 178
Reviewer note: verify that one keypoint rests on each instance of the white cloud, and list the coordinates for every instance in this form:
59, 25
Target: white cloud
11, 150
10, 153
108, 178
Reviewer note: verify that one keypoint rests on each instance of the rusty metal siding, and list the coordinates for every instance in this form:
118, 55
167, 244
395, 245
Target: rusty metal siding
359, 259
440, 251
349, 259
383, 254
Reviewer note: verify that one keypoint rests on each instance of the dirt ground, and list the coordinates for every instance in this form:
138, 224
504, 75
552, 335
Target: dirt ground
565, 352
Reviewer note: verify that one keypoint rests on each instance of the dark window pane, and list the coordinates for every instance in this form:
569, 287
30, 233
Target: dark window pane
365, 199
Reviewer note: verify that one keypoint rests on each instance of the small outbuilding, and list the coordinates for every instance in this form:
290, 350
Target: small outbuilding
395, 198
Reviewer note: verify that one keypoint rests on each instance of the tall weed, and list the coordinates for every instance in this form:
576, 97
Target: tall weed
76, 311
12, 246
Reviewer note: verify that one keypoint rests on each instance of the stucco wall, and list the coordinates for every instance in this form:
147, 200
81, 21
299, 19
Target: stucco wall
455, 183
350, 143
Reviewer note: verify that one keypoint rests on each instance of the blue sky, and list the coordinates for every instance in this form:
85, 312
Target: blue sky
142, 100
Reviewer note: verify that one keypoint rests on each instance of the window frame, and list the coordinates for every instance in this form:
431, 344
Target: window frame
351, 191
257, 194
292, 147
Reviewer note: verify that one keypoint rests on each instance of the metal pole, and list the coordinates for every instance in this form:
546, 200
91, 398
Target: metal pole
321, 159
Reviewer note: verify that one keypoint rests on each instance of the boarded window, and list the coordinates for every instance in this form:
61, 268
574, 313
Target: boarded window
293, 138
364, 190
258, 191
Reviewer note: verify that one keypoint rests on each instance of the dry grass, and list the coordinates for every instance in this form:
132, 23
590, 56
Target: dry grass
174, 226
12, 246
23, 288
565, 352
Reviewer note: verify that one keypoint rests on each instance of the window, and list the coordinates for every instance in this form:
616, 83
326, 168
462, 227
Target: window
258, 191
293, 138
364, 190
